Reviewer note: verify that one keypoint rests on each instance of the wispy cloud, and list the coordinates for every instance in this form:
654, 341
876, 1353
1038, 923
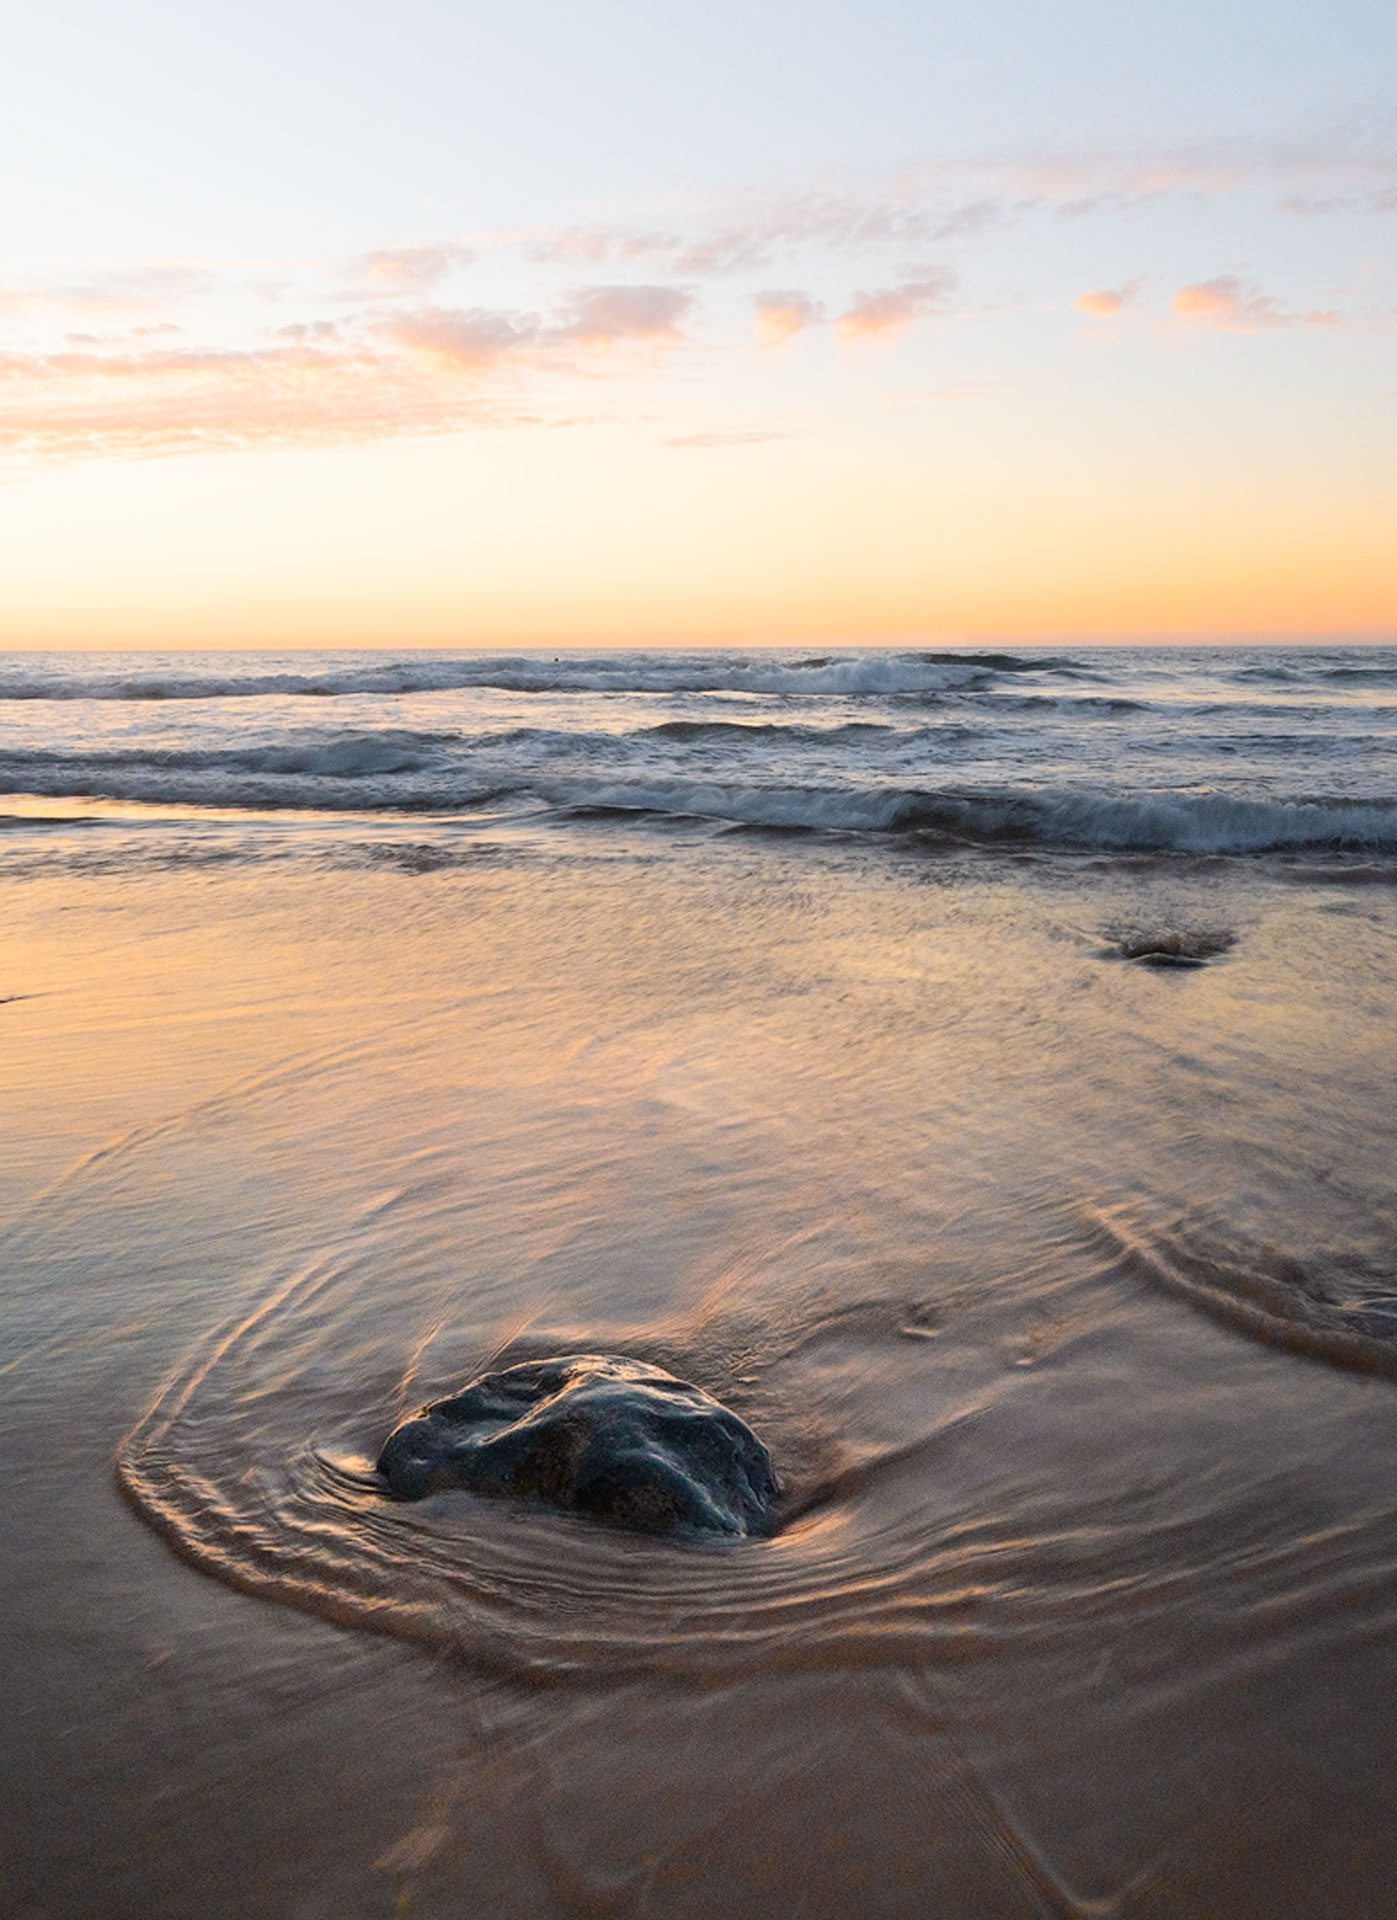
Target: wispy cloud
601, 316
1325, 172
117, 293
479, 337
470, 337
158, 356
757, 229
302, 331
887, 308
1327, 206
141, 404
431, 370
737, 438
1235, 306
946, 201
1102, 302
723, 250
408, 269
783, 313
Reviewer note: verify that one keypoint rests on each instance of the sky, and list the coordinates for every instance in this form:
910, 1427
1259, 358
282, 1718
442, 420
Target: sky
484, 324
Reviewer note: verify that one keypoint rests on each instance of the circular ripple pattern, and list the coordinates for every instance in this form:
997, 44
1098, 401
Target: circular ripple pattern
947, 1536
850, 1578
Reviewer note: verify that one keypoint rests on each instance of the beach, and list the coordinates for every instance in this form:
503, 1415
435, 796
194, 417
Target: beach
975, 1070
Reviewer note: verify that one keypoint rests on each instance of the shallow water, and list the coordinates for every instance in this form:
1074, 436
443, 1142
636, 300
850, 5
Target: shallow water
1058, 1284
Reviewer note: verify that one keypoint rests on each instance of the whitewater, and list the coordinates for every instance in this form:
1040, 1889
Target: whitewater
1226, 751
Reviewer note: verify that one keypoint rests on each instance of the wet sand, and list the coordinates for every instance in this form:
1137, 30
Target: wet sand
1085, 1600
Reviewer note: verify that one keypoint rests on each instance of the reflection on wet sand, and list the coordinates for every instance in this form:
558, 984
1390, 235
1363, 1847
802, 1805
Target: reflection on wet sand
1083, 1600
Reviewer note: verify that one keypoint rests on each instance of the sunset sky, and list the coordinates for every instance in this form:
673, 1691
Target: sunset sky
530, 323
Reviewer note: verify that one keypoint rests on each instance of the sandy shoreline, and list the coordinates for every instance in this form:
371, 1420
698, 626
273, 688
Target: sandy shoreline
1124, 1577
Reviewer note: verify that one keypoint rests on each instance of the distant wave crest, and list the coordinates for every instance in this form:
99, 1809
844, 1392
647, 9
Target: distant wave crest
849, 673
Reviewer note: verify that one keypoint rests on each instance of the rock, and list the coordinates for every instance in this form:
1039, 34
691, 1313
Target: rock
1176, 949
595, 1434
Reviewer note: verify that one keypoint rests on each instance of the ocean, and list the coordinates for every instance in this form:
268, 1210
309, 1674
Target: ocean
974, 1067
1181, 750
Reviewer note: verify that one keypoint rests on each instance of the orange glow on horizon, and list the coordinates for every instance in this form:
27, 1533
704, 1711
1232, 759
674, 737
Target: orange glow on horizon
1014, 515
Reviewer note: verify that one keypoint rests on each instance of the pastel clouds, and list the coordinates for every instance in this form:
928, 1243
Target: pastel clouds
162, 355
889, 308
479, 337
409, 269
600, 316
783, 313
304, 330
723, 250
153, 401
114, 293
1226, 303
946, 201
1234, 306
430, 370
464, 338
913, 213
758, 229
1103, 302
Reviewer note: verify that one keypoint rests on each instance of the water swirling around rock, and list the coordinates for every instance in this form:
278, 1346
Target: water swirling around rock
920, 1518
257, 1463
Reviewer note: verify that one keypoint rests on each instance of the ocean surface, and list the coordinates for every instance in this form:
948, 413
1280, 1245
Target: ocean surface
976, 1068
1191, 750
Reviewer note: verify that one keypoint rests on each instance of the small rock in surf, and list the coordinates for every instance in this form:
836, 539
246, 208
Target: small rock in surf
595, 1434
1170, 949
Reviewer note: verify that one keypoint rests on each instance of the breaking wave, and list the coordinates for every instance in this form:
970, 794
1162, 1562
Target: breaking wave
1202, 823
848, 673
396, 771
1146, 823
1125, 751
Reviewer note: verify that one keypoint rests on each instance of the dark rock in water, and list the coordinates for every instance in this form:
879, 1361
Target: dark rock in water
595, 1434
1170, 949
